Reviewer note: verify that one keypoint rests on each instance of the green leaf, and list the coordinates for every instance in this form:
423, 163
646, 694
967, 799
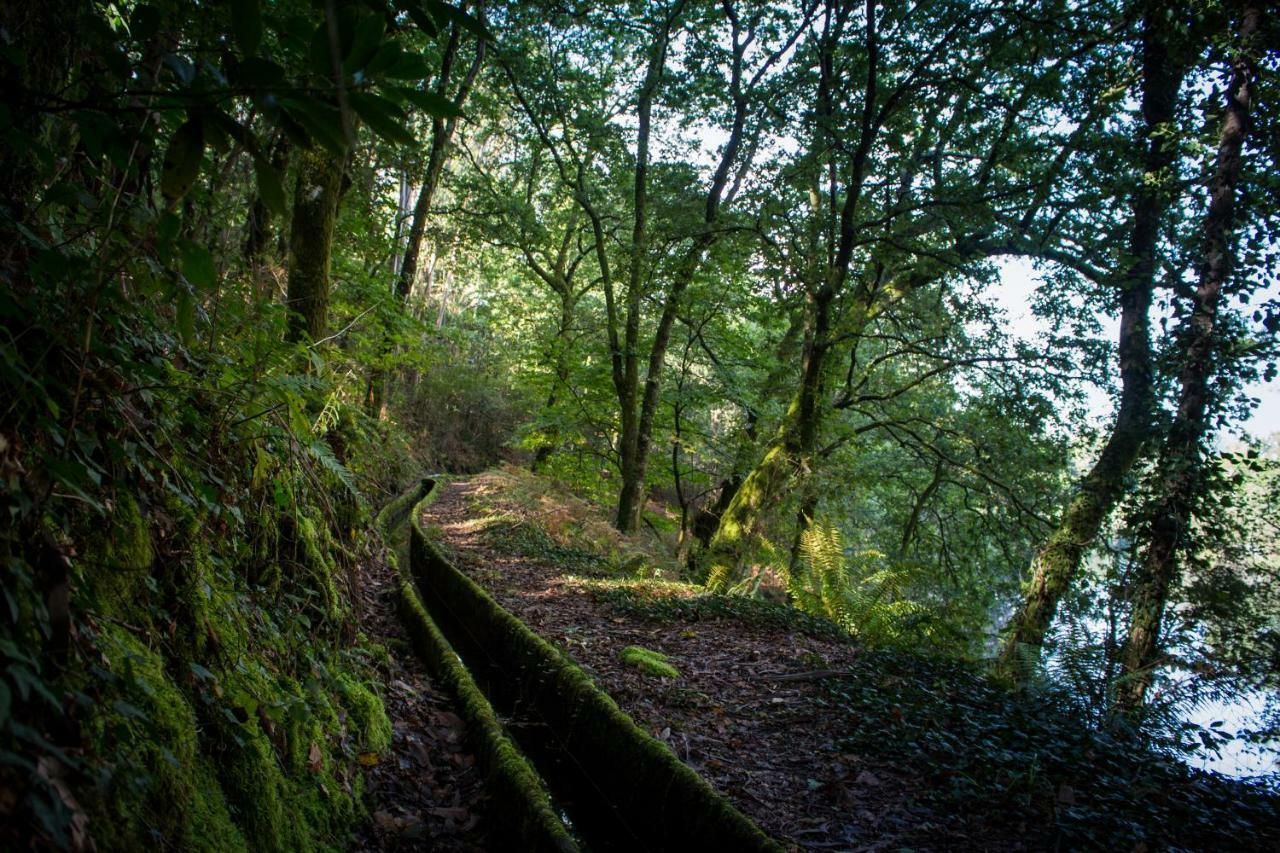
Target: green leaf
186, 316
144, 23
429, 102
386, 57
246, 21
444, 12
409, 66
197, 266
368, 36
321, 51
202, 673
322, 122
382, 115
424, 21
256, 71
269, 186
126, 709
182, 159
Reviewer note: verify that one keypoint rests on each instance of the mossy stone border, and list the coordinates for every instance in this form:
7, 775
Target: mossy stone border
517, 791
663, 803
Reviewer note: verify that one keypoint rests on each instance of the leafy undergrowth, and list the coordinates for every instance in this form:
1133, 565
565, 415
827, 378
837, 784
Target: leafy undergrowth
981, 750
544, 516
941, 753
673, 601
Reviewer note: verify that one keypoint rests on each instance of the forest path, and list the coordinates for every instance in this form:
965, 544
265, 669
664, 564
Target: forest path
748, 709
425, 793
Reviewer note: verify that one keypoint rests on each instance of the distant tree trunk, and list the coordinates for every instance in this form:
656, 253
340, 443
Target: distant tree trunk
1181, 457
1058, 559
549, 441
258, 224
631, 461
315, 206
637, 426
442, 132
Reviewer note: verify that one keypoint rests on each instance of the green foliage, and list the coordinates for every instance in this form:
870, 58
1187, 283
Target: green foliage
998, 758
670, 601
864, 596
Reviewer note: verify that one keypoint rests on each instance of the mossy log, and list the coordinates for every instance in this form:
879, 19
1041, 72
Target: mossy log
660, 802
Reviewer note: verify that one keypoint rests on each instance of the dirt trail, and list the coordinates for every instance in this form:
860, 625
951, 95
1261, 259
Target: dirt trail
746, 712
426, 792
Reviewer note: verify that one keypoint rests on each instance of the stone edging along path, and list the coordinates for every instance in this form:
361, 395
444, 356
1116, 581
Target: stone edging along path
516, 789
630, 790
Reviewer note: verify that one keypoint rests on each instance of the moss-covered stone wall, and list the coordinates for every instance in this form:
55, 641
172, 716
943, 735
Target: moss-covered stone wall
529, 820
223, 714
658, 800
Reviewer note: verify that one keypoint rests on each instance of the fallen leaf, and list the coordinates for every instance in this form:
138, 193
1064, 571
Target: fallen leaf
458, 813
866, 777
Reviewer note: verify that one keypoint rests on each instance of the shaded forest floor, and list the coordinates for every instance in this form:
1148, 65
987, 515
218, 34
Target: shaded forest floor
825, 744
426, 792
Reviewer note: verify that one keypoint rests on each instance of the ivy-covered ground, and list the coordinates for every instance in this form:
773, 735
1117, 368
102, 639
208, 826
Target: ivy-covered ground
828, 745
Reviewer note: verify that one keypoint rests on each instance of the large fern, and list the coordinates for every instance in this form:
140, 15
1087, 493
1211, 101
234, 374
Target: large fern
860, 592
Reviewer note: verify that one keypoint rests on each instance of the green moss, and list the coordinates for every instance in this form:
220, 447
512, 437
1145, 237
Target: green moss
649, 662
365, 713
118, 560
517, 790
159, 784
288, 786
587, 723
254, 785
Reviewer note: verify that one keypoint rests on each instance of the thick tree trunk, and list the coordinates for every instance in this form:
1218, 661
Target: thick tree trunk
1181, 458
787, 456
1058, 559
315, 206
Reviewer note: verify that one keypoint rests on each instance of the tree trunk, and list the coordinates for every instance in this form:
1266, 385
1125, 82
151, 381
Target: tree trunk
549, 442
1182, 455
315, 206
631, 495
442, 132
1058, 559
786, 457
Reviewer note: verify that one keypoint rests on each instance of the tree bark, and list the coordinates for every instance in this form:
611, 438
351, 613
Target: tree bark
442, 132
549, 441
315, 206
631, 495
1058, 559
1182, 454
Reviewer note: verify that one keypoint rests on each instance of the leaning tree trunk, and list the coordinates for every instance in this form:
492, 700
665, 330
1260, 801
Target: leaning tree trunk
1181, 458
315, 206
1058, 560
790, 451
